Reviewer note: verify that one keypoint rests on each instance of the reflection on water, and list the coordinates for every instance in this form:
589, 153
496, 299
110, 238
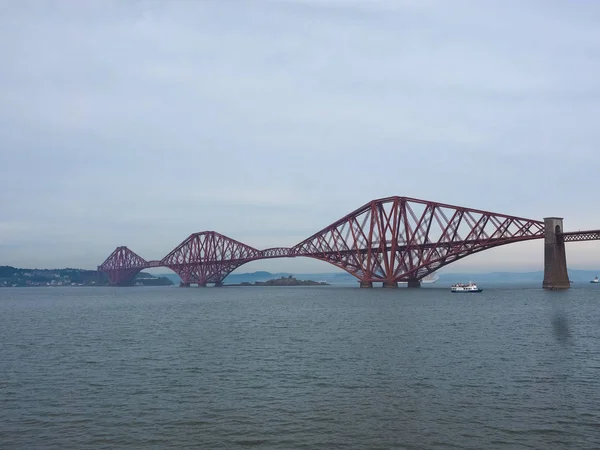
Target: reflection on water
560, 325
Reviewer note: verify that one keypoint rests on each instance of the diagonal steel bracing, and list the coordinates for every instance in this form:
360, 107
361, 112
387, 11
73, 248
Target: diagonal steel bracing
578, 236
122, 266
387, 240
400, 239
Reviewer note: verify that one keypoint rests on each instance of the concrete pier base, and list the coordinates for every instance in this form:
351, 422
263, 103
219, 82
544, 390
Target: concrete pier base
219, 284
414, 284
366, 284
390, 284
202, 284
555, 258
182, 284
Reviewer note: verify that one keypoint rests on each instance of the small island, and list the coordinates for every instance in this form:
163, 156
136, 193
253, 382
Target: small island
283, 281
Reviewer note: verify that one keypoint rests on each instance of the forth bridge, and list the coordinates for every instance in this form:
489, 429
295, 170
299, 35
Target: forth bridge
388, 240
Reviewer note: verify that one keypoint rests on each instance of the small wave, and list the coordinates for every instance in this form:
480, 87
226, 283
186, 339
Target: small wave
251, 442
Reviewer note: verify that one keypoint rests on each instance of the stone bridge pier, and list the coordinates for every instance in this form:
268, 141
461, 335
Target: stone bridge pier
555, 258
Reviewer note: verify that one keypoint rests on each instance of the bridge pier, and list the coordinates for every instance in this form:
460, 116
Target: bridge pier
219, 284
414, 284
182, 284
390, 284
555, 258
366, 284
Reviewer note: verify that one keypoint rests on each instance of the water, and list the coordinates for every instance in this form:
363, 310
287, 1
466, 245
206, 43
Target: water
296, 368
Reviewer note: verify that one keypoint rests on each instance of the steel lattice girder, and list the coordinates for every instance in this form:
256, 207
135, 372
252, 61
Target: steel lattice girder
276, 252
577, 236
400, 239
208, 257
391, 239
122, 265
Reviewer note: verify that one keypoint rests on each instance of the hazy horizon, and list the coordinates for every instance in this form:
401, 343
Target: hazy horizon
248, 269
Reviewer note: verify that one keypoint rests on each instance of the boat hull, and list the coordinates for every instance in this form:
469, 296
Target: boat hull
475, 291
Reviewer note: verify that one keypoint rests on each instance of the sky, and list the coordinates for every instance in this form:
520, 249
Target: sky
138, 123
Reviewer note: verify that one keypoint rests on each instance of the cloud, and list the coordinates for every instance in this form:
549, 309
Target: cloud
141, 122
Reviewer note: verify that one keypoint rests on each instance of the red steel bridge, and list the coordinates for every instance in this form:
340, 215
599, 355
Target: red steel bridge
389, 240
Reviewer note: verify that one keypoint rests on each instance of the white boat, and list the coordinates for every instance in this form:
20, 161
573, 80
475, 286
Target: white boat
465, 288
595, 280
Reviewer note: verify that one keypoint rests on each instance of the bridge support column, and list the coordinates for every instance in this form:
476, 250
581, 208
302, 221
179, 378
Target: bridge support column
414, 284
219, 284
182, 284
555, 258
366, 284
390, 284
202, 284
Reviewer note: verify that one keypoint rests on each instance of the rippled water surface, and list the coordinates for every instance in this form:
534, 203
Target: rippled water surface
294, 368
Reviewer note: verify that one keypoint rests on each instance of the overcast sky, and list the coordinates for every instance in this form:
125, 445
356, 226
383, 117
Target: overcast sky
139, 122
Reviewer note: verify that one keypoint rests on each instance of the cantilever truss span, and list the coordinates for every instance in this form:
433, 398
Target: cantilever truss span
122, 266
387, 240
402, 239
208, 257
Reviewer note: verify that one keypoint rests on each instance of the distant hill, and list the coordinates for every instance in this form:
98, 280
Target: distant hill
15, 276
253, 277
512, 277
444, 278
21, 277
236, 278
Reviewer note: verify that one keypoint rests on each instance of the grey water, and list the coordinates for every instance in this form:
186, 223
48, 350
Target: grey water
299, 368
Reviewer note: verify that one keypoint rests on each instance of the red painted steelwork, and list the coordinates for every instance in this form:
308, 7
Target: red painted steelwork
277, 252
208, 257
122, 266
400, 239
387, 240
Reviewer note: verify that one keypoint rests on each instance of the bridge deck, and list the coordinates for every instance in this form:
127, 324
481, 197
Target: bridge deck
577, 236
